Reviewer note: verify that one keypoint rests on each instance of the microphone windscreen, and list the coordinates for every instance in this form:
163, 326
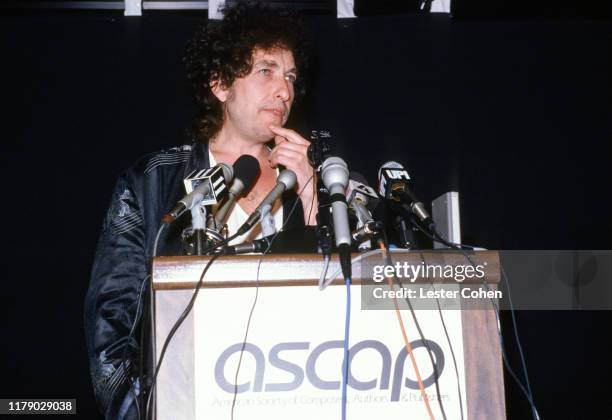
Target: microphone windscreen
389, 165
288, 178
359, 185
247, 169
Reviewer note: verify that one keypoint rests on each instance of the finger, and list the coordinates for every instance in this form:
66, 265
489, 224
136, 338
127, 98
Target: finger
298, 148
291, 161
273, 158
290, 135
279, 140
286, 157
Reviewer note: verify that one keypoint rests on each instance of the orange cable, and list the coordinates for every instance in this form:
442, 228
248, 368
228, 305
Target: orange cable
406, 341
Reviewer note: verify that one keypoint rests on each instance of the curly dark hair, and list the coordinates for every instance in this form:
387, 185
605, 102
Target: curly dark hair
222, 51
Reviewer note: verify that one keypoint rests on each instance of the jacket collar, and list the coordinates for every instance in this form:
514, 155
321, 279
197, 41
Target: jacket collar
198, 158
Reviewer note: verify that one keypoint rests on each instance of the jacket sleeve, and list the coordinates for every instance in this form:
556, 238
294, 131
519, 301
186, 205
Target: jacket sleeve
118, 272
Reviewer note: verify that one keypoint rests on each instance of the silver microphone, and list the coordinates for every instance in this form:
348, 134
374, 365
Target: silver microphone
335, 176
359, 194
286, 180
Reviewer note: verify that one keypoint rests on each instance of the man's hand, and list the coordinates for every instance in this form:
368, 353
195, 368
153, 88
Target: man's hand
290, 151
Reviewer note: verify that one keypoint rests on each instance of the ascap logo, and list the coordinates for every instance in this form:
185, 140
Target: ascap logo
397, 174
307, 369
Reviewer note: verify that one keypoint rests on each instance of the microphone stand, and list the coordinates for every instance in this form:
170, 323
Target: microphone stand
198, 217
267, 221
323, 232
403, 231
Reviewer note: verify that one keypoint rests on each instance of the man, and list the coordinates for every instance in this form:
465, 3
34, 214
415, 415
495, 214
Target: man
246, 74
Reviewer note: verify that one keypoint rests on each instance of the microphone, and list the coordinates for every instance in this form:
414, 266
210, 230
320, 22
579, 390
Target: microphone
258, 245
323, 231
246, 172
319, 148
203, 186
335, 175
286, 180
394, 184
360, 194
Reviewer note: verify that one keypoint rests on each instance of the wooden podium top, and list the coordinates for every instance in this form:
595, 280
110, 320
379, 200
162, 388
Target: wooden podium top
303, 269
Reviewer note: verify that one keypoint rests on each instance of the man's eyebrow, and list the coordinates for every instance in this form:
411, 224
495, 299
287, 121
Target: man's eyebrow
267, 63
274, 64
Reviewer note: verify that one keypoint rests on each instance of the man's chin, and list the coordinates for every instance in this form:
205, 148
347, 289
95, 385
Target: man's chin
277, 123
264, 136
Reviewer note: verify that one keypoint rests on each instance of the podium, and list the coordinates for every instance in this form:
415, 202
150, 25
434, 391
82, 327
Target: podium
267, 315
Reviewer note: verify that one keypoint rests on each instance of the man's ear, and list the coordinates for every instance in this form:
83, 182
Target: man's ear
220, 91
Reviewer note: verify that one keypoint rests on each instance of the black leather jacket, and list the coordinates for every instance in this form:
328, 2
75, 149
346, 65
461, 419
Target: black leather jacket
142, 195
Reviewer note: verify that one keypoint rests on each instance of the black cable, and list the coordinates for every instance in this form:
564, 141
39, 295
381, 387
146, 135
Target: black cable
448, 340
183, 316
314, 194
173, 330
248, 326
389, 262
141, 357
528, 394
516, 336
527, 391
123, 362
144, 389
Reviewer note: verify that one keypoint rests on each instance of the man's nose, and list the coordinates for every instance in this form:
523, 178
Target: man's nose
283, 90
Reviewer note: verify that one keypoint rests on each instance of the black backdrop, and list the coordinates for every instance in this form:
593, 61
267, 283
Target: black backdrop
513, 115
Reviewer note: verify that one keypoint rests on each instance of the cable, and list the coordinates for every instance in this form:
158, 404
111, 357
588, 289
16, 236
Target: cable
509, 368
248, 326
345, 361
378, 251
527, 392
314, 194
244, 341
174, 328
127, 344
429, 351
518, 341
183, 316
448, 340
358, 258
147, 326
327, 259
387, 259
159, 231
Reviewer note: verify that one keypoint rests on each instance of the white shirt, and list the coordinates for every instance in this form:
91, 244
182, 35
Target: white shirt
237, 216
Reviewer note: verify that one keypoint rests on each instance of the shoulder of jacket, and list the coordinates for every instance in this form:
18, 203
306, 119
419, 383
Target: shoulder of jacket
163, 159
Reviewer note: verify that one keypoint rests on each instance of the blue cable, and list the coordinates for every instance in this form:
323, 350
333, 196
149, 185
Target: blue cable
345, 363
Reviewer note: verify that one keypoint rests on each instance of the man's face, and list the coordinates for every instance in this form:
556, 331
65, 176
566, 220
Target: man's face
263, 97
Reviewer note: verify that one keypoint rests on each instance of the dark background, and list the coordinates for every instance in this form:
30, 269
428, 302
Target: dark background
513, 114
